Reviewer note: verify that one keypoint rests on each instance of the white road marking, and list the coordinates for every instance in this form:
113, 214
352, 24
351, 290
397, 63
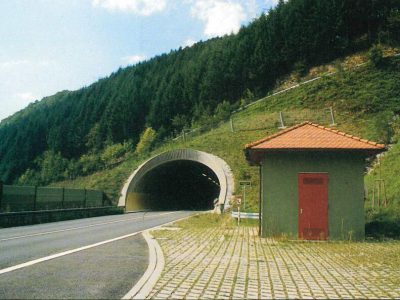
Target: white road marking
53, 256
76, 228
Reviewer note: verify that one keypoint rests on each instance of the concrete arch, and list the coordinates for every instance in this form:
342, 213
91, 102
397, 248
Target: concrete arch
217, 165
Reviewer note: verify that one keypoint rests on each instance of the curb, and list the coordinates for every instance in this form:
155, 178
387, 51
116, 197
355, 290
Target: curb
156, 264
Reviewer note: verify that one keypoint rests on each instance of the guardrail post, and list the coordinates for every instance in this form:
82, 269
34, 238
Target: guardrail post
63, 198
183, 135
281, 120
1, 193
332, 116
35, 198
84, 203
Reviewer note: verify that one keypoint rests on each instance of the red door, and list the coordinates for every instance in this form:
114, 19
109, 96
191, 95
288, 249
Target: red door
313, 206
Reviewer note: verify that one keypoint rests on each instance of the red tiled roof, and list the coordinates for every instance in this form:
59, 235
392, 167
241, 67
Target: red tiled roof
310, 136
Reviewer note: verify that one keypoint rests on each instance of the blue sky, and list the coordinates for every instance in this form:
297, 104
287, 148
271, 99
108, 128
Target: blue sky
51, 45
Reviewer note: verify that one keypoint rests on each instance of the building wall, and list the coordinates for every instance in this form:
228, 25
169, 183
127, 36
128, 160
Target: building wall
345, 192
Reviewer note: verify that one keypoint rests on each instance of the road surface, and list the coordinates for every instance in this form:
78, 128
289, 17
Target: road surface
94, 258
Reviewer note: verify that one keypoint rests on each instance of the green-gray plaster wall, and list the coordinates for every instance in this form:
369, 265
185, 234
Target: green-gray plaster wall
345, 192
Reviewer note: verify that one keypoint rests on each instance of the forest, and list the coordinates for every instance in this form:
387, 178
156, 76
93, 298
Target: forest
74, 133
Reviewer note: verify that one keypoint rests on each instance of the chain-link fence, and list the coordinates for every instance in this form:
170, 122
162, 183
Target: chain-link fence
268, 120
282, 119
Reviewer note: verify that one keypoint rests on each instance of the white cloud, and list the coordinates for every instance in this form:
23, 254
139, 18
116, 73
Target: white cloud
134, 59
11, 103
27, 96
272, 3
252, 8
139, 7
220, 16
189, 43
13, 63
24, 62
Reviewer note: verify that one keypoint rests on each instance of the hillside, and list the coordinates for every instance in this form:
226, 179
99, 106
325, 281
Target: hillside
365, 99
76, 133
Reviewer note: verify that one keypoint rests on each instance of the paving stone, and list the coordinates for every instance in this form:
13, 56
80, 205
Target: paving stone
199, 264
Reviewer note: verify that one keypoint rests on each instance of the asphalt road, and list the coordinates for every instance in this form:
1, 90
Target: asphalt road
46, 261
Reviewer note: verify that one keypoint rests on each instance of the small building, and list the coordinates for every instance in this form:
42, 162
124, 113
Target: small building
312, 182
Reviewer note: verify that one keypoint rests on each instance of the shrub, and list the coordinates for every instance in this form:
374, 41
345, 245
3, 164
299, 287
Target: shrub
376, 55
222, 111
146, 141
113, 153
383, 223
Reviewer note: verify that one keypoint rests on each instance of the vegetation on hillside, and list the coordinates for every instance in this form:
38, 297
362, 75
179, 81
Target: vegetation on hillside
343, 91
76, 133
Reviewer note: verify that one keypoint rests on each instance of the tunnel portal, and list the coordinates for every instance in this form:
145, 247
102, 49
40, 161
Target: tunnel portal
183, 179
180, 185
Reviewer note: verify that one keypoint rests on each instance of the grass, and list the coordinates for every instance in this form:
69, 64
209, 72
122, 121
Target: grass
361, 99
388, 169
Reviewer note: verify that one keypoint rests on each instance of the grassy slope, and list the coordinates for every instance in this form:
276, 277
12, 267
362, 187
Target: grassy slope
358, 97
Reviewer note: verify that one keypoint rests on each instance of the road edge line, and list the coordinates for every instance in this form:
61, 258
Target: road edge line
76, 228
68, 252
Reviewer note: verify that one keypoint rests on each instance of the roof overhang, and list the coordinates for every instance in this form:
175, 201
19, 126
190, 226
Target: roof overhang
255, 156
310, 137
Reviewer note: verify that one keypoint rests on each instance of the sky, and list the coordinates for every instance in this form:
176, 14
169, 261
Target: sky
48, 46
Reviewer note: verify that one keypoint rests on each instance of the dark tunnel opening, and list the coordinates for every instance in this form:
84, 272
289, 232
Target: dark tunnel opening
180, 185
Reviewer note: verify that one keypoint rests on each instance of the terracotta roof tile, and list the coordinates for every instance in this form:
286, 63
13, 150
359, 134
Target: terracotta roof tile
310, 136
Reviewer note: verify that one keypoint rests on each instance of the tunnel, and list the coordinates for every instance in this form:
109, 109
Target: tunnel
180, 185
184, 179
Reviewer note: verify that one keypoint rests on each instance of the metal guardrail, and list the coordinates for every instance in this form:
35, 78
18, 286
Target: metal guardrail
36, 212
12, 219
33, 198
244, 215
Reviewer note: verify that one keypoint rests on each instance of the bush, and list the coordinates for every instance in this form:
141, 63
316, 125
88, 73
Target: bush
222, 111
88, 164
382, 126
300, 69
146, 141
112, 154
393, 25
383, 223
376, 55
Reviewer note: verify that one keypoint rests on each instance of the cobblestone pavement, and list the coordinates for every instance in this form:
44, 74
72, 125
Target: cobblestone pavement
234, 263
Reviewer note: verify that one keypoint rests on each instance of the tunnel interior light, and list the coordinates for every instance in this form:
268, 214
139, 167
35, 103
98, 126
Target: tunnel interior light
204, 175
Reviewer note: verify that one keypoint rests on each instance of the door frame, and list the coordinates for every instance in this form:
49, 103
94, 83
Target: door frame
299, 211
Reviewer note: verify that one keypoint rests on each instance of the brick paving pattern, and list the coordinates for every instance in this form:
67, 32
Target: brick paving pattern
234, 263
